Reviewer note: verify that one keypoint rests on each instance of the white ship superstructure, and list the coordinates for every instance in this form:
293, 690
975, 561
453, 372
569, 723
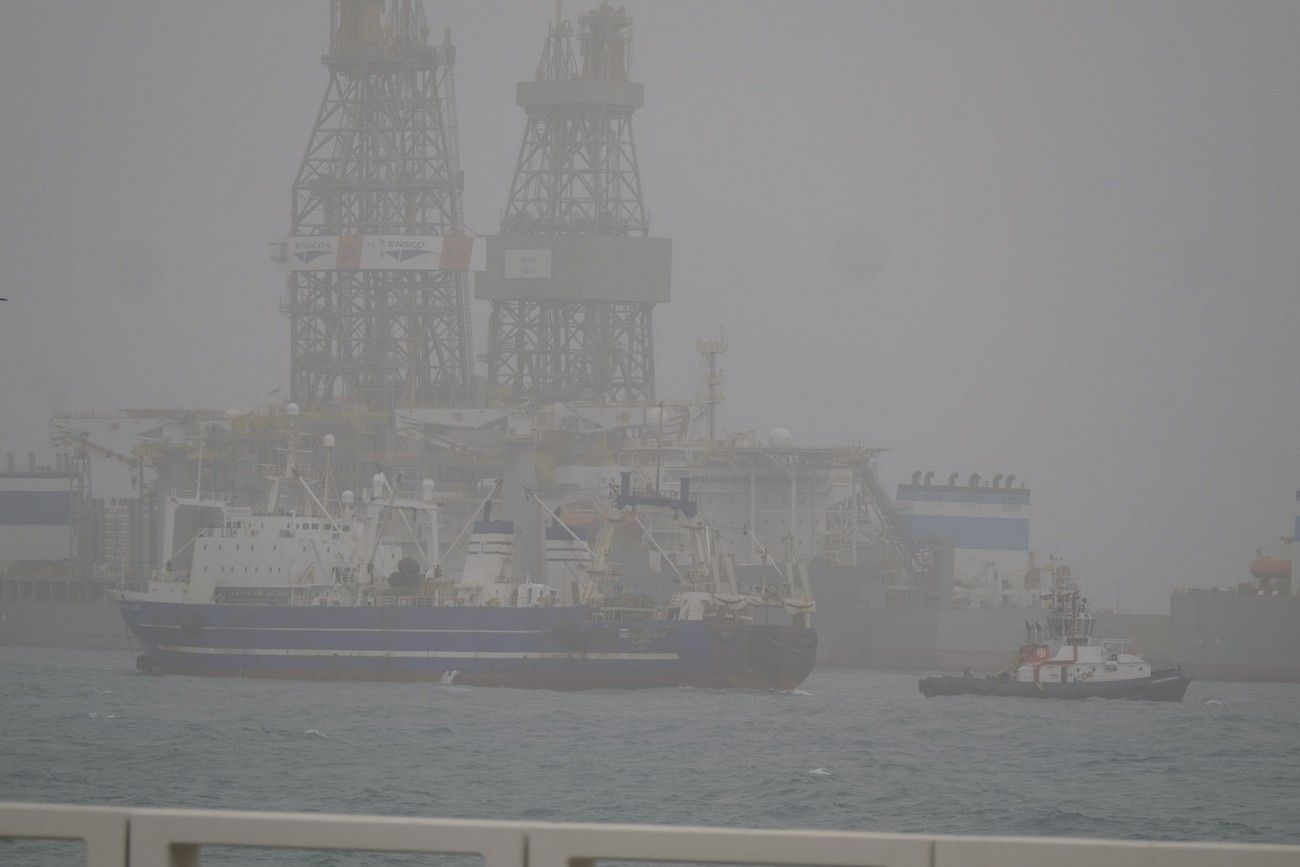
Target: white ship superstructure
1065, 650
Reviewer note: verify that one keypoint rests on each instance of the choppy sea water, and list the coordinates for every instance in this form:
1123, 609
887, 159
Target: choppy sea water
851, 750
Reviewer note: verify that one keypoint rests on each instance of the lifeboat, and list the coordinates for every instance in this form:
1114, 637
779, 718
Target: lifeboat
1271, 569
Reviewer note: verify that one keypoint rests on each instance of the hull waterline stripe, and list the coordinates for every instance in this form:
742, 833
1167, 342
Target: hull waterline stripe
219, 627
415, 654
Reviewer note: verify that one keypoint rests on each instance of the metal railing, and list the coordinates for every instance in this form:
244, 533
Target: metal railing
128, 837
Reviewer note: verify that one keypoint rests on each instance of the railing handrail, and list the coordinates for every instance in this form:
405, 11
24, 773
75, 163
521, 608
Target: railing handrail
144, 837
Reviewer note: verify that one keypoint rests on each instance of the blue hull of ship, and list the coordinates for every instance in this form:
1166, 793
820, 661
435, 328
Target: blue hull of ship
554, 648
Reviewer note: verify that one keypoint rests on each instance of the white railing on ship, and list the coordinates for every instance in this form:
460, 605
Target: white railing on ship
206, 496
125, 837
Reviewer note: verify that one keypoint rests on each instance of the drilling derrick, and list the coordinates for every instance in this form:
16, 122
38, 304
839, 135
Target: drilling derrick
574, 275
377, 257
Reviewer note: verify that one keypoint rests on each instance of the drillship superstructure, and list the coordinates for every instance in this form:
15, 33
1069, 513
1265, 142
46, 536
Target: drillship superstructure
357, 592
1250, 632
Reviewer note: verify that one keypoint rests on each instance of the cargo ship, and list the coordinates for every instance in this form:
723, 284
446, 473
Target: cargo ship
1250, 632
356, 591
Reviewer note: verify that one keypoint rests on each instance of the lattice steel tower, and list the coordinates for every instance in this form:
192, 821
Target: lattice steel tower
382, 167
574, 276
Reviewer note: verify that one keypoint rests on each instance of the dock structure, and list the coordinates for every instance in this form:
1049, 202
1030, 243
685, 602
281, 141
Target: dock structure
130, 837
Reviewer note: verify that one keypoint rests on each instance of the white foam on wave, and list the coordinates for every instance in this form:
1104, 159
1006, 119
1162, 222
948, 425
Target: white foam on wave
1213, 702
798, 692
315, 733
820, 772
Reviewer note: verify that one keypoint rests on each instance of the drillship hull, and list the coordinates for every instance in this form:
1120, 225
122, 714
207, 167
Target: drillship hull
550, 648
1169, 685
1222, 635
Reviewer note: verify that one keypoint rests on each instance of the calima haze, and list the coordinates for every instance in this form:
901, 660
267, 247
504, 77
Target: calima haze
740, 411
1049, 239
1044, 239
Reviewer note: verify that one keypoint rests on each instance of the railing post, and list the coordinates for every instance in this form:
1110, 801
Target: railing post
103, 829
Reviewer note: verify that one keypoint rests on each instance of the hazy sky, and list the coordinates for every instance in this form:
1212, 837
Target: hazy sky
1055, 239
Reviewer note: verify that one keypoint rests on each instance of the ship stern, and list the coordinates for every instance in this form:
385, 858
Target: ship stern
764, 657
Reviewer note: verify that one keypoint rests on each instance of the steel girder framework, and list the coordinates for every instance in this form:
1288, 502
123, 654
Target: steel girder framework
383, 158
577, 174
565, 350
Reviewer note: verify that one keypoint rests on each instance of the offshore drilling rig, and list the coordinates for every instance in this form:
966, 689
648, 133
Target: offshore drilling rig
377, 306
574, 275
378, 267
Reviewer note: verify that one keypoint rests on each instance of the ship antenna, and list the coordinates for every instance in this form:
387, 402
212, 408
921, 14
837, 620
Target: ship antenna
659, 446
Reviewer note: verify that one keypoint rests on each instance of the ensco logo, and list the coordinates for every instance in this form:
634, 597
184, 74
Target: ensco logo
306, 251
404, 250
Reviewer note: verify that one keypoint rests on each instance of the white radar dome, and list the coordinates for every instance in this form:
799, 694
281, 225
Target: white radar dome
347, 498
329, 441
780, 436
291, 409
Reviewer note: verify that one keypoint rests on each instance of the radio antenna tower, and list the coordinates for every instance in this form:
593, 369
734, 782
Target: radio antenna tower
382, 167
574, 276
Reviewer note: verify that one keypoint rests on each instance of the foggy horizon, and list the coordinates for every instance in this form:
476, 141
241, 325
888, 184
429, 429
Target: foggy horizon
1050, 240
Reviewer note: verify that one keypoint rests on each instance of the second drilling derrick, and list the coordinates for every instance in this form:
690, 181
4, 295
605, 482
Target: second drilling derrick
574, 276
377, 286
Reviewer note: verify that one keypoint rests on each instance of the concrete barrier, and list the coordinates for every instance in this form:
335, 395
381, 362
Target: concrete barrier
125, 837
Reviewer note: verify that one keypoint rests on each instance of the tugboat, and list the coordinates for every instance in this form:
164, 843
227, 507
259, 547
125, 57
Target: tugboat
1062, 659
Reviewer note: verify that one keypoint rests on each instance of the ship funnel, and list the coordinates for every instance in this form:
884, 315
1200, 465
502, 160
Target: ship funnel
567, 559
491, 550
377, 486
929, 476
916, 477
